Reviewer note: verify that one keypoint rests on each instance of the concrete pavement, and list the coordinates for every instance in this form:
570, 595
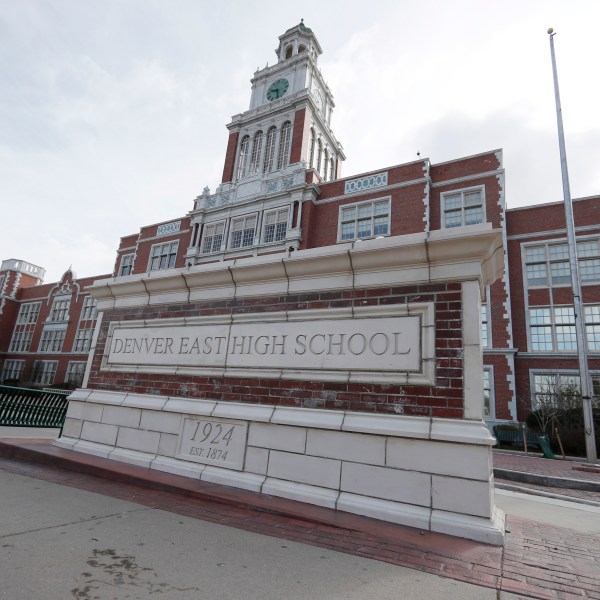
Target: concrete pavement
552, 548
59, 542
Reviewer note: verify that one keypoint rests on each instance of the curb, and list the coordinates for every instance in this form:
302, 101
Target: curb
535, 492
547, 480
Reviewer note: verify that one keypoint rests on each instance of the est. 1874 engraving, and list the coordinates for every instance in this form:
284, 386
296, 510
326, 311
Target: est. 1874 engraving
213, 442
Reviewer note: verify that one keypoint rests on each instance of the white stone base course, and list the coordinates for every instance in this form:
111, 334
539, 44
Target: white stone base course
434, 474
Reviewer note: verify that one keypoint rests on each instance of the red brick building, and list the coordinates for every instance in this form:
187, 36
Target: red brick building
282, 191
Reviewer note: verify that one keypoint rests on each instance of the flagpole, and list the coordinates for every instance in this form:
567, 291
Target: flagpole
582, 351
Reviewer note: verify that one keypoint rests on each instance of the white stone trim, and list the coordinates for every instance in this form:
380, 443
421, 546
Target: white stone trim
434, 474
431, 257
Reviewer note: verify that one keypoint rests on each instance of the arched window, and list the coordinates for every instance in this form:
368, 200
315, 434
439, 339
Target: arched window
243, 156
284, 145
325, 165
311, 159
256, 148
270, 150
332, 174
301, 48
319, 156
288, 52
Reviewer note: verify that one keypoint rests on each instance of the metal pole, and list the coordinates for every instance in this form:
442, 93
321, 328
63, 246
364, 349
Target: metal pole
582, 351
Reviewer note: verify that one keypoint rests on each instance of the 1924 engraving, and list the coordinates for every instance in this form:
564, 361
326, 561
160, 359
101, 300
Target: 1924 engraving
213, 442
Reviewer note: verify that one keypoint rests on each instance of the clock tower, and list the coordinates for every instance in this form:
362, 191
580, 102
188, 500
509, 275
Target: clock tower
278, 152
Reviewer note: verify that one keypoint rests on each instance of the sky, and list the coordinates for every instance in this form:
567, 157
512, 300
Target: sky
113, 112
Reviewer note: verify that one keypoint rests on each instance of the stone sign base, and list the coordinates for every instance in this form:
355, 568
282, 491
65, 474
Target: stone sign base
430, 473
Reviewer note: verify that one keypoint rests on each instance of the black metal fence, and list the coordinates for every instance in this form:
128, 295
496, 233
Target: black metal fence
22, 407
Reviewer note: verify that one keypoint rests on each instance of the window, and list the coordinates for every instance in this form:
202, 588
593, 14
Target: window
60, 310
12, 370
256, 148
592, 327
213, 237
547, 386
284, 145
319, 156
75, 372
553, 328
243, 157
28, 313
242, 232
331, 169
126, 267
485, 342
462, 208
548, 264
83, 340
2, 278
270, 150
52, 340
21, 340
325, 165
163, 256
275, 225
488, 393
44, 371
89, 312
588, 255
311, 159
364, 220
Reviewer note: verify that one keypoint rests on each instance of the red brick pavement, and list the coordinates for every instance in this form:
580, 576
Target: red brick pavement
538, 560
543, 466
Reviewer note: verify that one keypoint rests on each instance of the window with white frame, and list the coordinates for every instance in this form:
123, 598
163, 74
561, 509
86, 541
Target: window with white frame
331, 169
488, 393
319, 155
28, 313
547, 386
243, 156
12, 369
284, 145
2, 277
553, 328
60, 310
89, 312
21, 341
83, 340
52, 340
243, 230
162, 256
592, 327
588, 256
75, 372
485, 330
126, 267
364, 220
548, 264
325, 164
270, 150
212, 238
256, 150
44, 371
275, 225
463, 207
311, 155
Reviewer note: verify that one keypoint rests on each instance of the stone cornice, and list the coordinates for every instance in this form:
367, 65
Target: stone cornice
459, 254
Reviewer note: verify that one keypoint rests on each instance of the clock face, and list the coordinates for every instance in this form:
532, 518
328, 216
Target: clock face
277, 89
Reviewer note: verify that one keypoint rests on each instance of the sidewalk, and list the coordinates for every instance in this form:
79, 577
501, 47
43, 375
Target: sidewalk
559, 478
539, 560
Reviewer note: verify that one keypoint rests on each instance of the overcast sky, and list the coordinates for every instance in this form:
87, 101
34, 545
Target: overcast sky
113, 112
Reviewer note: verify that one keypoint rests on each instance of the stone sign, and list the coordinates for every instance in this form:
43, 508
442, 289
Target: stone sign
375, 341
